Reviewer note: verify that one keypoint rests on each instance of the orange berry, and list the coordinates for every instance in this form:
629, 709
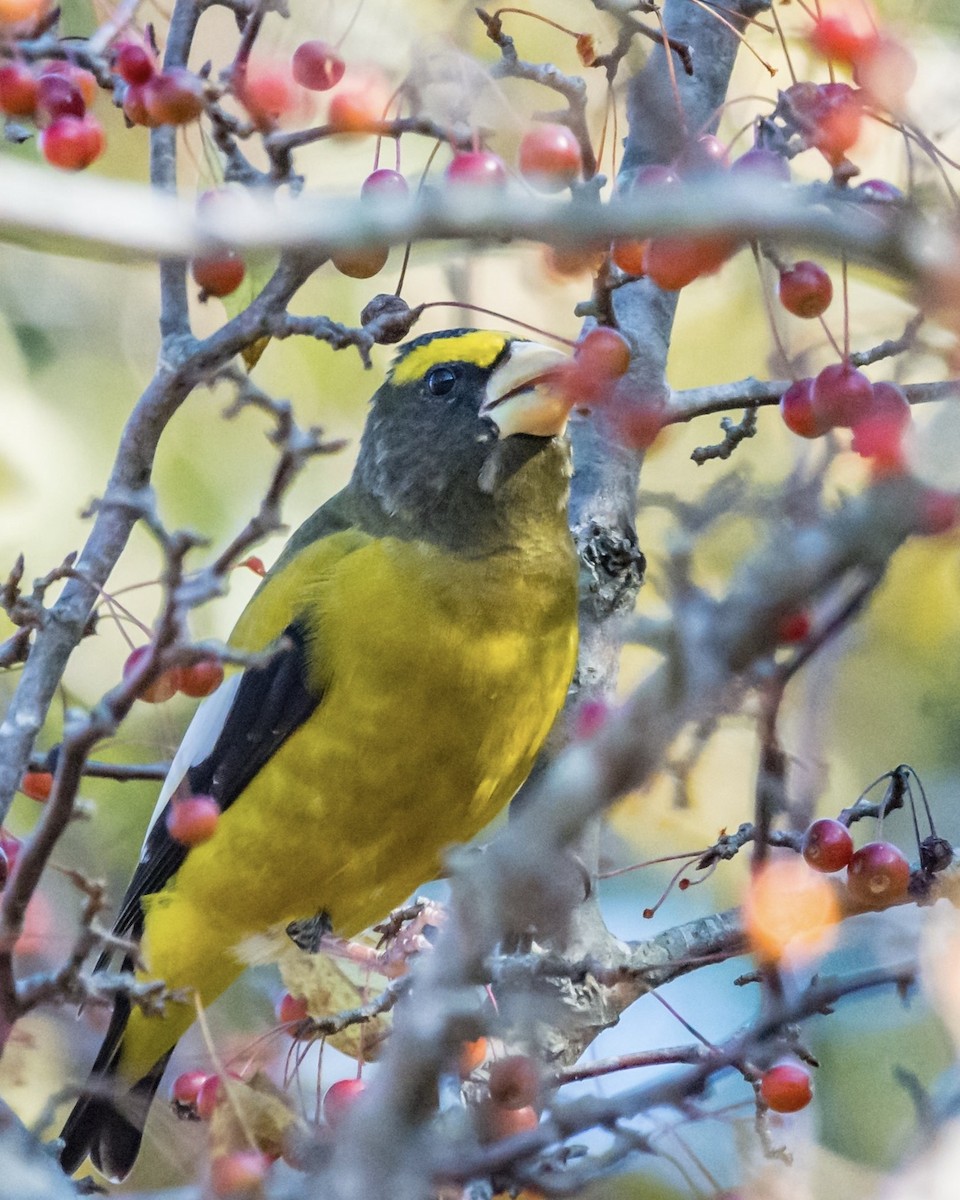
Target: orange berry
37, 785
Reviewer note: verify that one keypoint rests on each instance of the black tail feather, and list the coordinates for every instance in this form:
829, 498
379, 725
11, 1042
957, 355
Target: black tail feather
104, 1124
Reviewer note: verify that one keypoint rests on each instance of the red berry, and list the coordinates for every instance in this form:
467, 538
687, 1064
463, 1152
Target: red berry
841, 395
384, 184
135, 106
361, 264
37, 785
354, 112
878, 874
805, 289
254, 564
476, 168
793, 627
19, 90
58, 96
799, 415
291, 1009
568, 262
673, 262
340, 1099
514, 1081
84, 81
836, 39
133, 62
629, 256
880, 434
202, 678
317, 66
938, 512
193, 820
786, 1087
836, 127
239, 1173
72, 143
762, 163
186, 1088
174, 97
827, 846
497, 1122
550, 157
162, 688
472, 1054
603, 353
208, 1097
218, 274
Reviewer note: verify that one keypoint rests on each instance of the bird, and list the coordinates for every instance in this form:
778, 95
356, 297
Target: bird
423, 624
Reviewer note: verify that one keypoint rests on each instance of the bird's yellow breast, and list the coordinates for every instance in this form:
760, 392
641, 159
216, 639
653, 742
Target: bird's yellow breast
440, 681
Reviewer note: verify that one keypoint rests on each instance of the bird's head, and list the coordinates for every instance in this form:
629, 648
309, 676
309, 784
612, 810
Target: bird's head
465, 437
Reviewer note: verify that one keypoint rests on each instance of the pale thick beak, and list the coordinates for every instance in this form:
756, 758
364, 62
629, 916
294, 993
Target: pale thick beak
524, 394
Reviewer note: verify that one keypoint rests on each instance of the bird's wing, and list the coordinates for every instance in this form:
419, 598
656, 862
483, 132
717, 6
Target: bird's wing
240, 727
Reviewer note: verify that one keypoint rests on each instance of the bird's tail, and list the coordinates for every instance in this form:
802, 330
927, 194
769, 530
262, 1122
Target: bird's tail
108, 1119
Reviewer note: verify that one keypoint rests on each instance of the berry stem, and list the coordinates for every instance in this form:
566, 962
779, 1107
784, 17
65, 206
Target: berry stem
350, 24
783, 43
524, 12
490, 312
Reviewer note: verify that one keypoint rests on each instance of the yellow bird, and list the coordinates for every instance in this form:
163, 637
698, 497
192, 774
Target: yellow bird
429, 617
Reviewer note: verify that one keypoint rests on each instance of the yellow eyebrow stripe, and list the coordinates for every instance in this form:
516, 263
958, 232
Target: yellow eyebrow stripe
481, 347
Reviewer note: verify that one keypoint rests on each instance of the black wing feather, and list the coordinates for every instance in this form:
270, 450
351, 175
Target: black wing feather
271, 703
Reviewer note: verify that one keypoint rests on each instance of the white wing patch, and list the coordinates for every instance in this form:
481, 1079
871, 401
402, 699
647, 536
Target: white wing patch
200, 738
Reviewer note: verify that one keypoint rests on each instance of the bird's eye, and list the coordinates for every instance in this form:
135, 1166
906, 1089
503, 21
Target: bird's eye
441, 380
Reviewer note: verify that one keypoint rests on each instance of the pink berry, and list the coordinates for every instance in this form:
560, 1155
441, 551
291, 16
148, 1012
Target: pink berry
476, 168
186, 1088
240, 1173
550, 157
384, 184
879, 435
340, 1099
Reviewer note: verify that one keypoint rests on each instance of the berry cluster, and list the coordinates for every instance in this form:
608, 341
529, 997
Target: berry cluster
55, 96
842, 397
878, 874
196, 681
